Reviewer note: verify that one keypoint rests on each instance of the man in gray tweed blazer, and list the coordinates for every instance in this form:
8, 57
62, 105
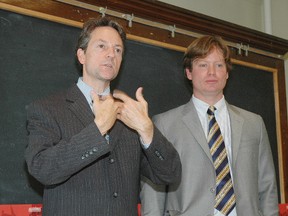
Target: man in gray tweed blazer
88, 147
207, 66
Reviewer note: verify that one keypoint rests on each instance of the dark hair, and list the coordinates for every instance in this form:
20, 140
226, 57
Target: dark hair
201, 47
93, 23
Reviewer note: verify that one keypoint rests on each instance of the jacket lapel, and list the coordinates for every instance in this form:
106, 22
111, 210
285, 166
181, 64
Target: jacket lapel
236, 122
79, 106
191, 120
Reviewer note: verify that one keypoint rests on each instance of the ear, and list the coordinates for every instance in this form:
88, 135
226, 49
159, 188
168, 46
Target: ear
81, 56
188, 73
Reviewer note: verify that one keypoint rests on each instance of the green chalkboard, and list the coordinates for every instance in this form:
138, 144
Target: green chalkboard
37, 57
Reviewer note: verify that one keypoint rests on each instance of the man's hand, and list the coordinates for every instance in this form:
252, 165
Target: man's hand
105, 111
134, 113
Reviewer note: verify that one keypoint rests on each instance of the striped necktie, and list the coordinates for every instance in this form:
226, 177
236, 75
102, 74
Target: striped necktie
225, 197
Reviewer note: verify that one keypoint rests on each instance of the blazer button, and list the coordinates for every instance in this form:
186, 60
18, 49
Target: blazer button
115, 194
95, 149
157, 153
212, 190
111, 160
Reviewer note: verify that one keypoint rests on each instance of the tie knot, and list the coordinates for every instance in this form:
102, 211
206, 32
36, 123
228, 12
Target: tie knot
211, 110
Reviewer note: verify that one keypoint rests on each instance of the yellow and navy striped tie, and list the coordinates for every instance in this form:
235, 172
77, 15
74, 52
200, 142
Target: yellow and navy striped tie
225, 197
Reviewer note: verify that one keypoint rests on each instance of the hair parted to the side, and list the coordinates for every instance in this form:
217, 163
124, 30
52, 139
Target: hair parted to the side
201, 47
90, 25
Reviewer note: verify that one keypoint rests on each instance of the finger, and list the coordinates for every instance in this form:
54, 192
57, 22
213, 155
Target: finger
139, 95
119, 104
120, 95
94, 96
105, 97
118, 116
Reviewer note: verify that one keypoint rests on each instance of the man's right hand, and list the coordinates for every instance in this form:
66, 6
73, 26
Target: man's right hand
105, 111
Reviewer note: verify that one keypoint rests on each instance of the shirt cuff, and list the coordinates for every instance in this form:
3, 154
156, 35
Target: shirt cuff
144, 145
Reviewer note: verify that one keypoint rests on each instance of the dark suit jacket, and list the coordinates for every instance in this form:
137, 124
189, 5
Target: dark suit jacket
81, 173
252, 167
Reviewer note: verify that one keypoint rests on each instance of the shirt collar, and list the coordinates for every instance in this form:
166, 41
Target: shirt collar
86, 89
201, 106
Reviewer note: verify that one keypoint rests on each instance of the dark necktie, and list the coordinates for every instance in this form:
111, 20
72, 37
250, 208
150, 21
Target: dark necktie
225, 197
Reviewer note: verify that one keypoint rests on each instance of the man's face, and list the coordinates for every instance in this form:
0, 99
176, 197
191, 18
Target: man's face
209, 76
102, 59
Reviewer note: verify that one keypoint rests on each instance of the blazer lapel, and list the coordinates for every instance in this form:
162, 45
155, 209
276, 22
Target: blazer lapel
78, 104
191, 120
236, 122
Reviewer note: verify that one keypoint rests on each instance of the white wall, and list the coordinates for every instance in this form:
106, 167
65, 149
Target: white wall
243, 12
279, 10
248, 13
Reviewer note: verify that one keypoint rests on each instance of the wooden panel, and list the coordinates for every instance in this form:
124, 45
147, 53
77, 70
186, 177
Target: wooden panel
162, 13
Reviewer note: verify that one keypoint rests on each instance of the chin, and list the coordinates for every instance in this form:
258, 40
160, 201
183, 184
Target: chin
108, 75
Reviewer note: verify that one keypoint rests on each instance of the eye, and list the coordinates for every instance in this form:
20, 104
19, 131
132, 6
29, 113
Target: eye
202, 65
118, 50
101, 46
220, 65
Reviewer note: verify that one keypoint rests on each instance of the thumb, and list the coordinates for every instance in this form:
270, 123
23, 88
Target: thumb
139, 95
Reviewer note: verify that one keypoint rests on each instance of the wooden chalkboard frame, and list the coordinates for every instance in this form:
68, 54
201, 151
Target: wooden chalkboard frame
275, 72
276, 68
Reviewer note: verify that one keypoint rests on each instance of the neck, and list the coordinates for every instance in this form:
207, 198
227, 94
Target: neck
99, 86
209, 99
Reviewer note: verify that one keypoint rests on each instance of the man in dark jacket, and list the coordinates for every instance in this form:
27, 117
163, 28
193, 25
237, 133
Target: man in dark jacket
87, 146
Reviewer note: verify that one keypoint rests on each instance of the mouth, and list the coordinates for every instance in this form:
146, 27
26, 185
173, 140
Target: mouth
108, 65
211, 81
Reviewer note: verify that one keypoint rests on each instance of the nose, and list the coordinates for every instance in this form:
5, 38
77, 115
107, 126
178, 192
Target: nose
211, 70
111, 52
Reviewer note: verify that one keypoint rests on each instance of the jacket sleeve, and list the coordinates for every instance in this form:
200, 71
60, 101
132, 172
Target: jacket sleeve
161, 162
53, 158
268, 197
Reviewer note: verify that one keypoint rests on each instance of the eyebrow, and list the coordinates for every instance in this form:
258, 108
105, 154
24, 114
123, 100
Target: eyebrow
197, 60
104, 41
